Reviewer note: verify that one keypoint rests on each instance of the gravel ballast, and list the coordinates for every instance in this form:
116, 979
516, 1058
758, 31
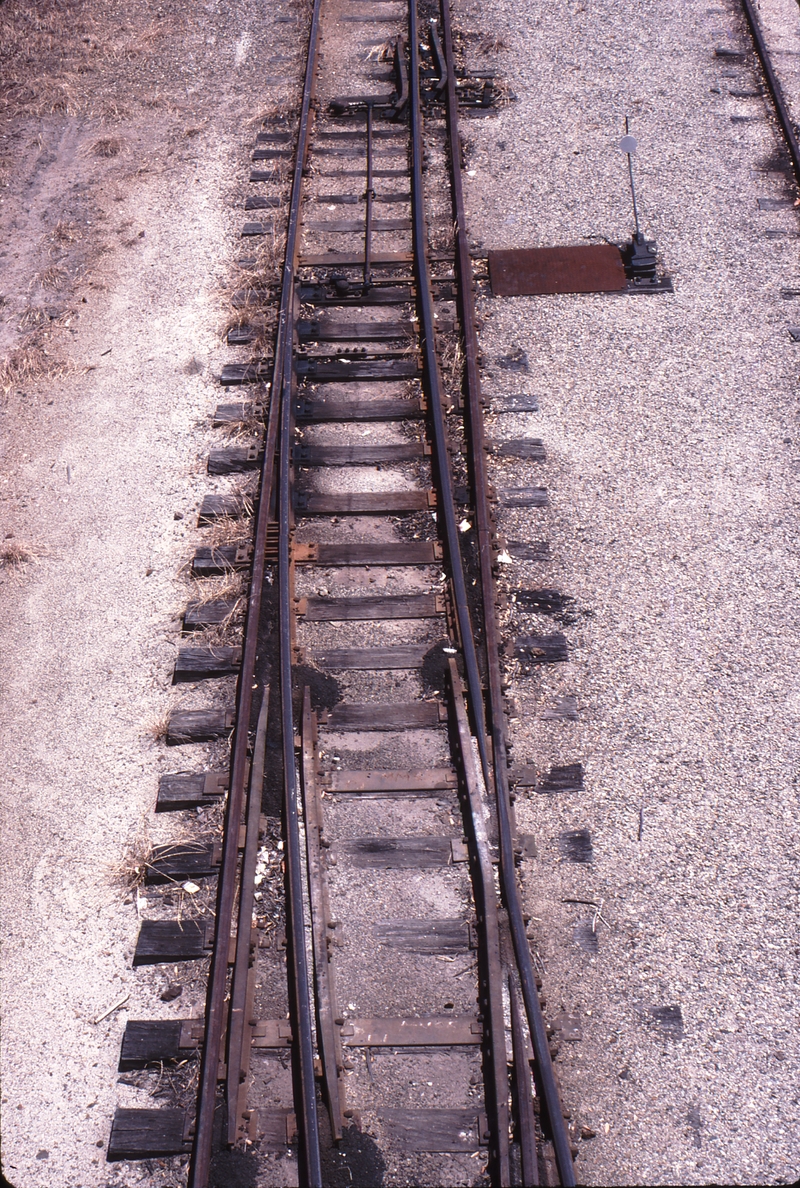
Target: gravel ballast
670, 424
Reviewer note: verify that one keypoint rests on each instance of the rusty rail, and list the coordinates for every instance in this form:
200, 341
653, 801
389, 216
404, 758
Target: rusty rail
229, 870
496, 771
776, 92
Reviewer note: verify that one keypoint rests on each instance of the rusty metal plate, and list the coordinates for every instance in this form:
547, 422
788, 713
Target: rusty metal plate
590, 268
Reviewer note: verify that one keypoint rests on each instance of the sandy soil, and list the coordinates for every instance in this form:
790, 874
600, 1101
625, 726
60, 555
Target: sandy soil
126, 137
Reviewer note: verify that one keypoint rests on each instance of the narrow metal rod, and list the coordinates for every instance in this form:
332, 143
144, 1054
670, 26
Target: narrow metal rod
370, 196
776, 92
633, 196
633, 187
480, 481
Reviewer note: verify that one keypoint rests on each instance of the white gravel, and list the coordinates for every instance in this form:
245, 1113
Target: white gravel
673, 457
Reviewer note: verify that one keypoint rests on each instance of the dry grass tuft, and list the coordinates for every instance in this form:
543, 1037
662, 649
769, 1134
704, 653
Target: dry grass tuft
230, 585
108, 146
503, 95
270, 254
224, 633
63, 235
492, 45
52, 277
40, 57
275, 113
28, 362
452, 363
66, 56
226, 531
241, 432
35, 318
131, 871
132, 868
263, 327
110, 109
14, 554
157, 727
48, 97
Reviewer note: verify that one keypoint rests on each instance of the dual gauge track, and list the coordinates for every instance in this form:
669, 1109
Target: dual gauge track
400, 1023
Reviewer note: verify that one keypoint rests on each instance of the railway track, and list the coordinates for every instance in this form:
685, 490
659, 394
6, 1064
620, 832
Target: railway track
396, 1023
384, 712
771, 75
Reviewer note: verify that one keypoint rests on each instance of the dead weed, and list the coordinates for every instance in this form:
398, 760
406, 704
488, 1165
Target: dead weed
28, 362
275, 113
131, 870
225, 531
63, 235
158, 727
108, 146
15, 553
52, 277
36, 317
230, 586
492, 44
53, 54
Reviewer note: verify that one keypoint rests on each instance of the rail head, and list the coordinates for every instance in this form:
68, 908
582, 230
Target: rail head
498, 776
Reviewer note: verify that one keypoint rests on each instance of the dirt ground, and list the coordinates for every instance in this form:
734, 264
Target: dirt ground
671, 430
125, 146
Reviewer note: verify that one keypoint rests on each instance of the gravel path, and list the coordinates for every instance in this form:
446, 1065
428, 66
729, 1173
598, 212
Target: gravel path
673, 457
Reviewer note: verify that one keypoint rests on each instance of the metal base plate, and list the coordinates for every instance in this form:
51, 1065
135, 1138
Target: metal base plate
587, 268
661, 284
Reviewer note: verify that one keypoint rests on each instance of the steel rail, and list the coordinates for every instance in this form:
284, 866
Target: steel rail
432, 379
446, 507
523, 1089
311, 1169
487, 911
370, 197
242, 978
200, 1166
229, 867
480, 482
775, 90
